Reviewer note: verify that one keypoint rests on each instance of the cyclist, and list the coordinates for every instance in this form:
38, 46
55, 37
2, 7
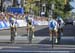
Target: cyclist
33, 27
27, 20
27, 17
13, 21
61, 23
30, 25
13, 26
53, 28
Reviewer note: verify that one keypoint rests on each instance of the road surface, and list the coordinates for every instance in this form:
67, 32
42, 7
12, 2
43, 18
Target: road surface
40, 44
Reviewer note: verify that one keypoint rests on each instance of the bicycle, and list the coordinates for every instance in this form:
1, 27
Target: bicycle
54, 33
13, 34
52, 39
59, 33
30, 35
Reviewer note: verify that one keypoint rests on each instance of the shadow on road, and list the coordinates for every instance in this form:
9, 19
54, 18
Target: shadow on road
69, 30
42, 32
61, 42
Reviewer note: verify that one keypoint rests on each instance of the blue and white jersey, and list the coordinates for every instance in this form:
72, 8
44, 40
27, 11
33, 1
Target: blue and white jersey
52, 24
26, 19
13, 22
60, 22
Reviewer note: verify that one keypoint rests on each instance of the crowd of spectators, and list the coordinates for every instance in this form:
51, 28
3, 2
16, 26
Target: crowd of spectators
6, 15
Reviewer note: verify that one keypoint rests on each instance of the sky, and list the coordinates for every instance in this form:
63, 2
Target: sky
73, 5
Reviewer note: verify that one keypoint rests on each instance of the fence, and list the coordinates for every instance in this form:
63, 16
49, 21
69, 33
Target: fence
20, 23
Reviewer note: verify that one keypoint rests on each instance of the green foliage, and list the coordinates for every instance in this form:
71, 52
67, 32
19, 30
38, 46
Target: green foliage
31, 4
60, 7
67, 7
36, 10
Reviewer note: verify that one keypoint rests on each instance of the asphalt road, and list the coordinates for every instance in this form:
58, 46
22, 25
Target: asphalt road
22, 31
35, 48
69, 30
41, 43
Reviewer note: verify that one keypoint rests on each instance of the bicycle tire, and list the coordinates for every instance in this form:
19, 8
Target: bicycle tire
52, 39
30, 36
12, 35
59, 35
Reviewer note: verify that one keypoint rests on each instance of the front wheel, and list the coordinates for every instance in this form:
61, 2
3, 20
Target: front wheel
30, 36
59, 35
13, 33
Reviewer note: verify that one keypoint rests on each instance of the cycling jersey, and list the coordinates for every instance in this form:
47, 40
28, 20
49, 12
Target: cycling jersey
60, 22
53, 24
13, 22
26, 19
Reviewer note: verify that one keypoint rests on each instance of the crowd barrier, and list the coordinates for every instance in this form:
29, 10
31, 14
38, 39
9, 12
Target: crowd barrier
20, 23
4, 25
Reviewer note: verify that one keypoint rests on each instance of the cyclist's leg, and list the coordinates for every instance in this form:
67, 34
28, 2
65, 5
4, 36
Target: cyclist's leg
27, 28
50, 33
62, 25
15, 31
56, 33
12, 35
33, 31
61, 31
27, 31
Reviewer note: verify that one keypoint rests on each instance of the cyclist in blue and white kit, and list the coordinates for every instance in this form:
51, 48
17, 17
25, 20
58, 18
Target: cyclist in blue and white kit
13, 23
30, 24
61, 23
53, 28
13, 26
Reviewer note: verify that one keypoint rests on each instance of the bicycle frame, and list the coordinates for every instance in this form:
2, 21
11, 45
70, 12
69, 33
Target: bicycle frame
30, 33
59, 33
13, 31
53, 38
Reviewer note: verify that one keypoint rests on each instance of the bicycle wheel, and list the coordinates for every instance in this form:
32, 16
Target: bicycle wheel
12, 35
30, 36
59, 35
52, 39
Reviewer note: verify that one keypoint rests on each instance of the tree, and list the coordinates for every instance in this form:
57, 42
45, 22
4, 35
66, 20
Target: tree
31, 4
61, 8
67, 7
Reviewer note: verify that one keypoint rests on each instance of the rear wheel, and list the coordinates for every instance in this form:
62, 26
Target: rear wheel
30, 36
59, 35
13, 34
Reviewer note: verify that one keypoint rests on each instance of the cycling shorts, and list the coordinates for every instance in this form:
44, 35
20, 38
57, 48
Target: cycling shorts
55, 29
